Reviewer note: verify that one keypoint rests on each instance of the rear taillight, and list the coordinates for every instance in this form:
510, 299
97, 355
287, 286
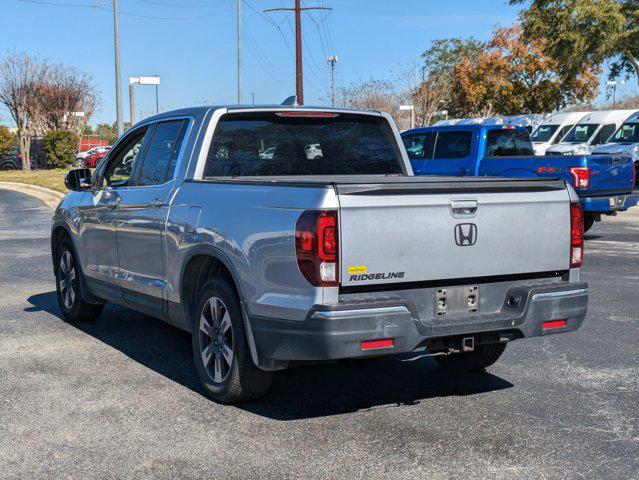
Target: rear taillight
581, 176
576, 235
317, 247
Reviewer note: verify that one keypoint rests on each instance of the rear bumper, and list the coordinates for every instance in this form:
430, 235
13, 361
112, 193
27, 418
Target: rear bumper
334, 332
608, 204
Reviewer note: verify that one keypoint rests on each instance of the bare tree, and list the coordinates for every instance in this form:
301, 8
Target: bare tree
426, 91
372, 95
65, 93
20, 76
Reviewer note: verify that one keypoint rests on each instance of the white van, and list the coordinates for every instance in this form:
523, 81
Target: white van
593, 129
553, 129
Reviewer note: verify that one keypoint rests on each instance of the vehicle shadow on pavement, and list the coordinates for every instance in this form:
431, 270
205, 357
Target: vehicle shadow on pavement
297, 393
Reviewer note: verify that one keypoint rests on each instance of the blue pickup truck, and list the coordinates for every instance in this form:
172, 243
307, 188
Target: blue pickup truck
604, 183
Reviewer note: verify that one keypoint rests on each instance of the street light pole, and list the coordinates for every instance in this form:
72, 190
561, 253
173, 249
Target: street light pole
332, 60
118, 87
239, 52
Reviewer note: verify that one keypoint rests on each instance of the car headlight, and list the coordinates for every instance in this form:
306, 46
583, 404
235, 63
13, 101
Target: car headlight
635, 153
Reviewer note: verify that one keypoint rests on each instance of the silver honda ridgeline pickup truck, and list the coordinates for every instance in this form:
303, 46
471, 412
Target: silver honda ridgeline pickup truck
279, 235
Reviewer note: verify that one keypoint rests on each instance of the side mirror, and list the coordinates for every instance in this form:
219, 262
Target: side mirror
78, 179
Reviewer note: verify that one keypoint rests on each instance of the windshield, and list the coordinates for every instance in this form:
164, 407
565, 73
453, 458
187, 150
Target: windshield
271, 144
580, 133
508, 143
543, 133
629, 132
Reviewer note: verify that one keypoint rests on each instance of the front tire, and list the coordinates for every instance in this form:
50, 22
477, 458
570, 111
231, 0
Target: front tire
220, 348
481, 357
67, 282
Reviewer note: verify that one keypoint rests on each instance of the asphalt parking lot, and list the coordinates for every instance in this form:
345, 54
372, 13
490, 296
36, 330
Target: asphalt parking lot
119, 397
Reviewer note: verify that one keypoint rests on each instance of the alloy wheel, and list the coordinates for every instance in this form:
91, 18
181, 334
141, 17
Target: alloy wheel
216, 339
67, 280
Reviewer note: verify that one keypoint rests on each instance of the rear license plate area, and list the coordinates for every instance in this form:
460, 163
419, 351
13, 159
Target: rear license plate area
453, 301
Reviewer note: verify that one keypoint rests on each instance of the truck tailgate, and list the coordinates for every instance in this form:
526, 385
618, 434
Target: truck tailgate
614, 174
446, 230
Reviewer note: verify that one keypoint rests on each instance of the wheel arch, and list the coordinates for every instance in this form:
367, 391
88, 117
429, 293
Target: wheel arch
206, 261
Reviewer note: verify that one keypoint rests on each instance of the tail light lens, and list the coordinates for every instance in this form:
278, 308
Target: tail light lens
576, 235
581, 176
317, 247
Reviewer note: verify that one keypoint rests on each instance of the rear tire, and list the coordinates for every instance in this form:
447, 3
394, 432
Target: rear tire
589, 221
67, 283
482, 357
220, 348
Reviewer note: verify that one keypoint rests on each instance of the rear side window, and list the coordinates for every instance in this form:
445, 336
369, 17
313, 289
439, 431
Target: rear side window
161, 155
420, 146
453, 145
508, 143
604, 134
270, 144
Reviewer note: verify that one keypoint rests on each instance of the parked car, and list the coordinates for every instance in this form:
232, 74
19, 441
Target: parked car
92, 160
91, 151
553, 129
592, 130
90, 157
13, 161
604, 183
270, 262
625, 141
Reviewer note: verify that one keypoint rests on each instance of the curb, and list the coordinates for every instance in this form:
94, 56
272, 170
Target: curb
50, 197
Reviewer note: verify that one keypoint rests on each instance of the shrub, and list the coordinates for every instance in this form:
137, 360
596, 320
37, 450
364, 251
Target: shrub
6, 141
60, 147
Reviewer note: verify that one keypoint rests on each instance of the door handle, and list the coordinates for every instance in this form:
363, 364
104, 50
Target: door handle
156, 203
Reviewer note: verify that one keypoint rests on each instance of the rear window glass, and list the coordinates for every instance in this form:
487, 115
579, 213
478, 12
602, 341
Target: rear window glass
508, 143
543, 133
580, 133
420, 146
268, 144
453, 145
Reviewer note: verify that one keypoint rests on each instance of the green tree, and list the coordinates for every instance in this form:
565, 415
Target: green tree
60, 147
586, 33
513, 76
442, 56
7, 141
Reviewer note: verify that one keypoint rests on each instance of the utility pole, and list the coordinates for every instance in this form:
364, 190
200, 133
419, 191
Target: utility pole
332, 60
614, 90
253, 97
118, 87
299, 73
239, 52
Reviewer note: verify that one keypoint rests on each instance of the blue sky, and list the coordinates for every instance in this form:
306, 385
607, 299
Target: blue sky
191, 44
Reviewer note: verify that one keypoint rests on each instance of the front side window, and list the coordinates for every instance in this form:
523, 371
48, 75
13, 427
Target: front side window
162, 152
604, 134
629, 132
420, 145
580, 133
121, 166
562, 133
508, 143
453, 145
543, 133
286, 144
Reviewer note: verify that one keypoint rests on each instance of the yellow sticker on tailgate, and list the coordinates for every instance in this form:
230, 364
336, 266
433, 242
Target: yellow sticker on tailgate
354, 269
